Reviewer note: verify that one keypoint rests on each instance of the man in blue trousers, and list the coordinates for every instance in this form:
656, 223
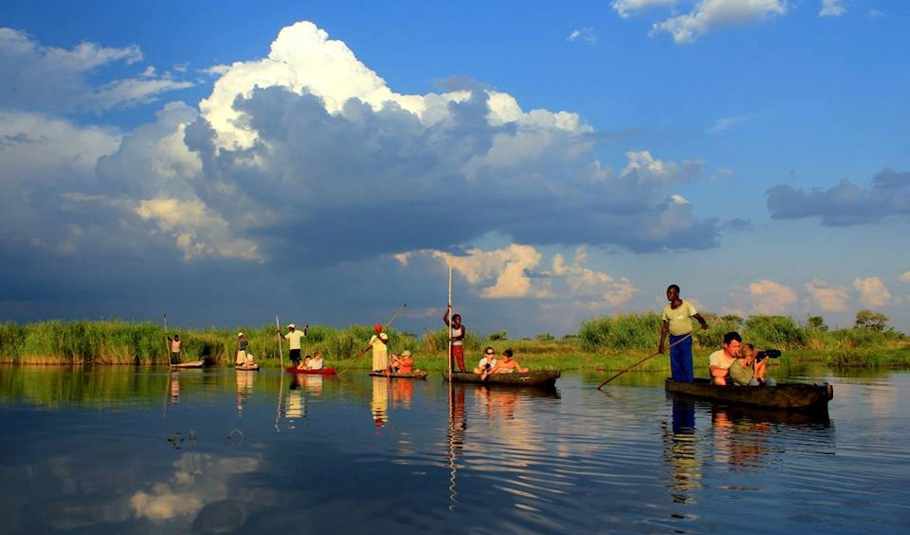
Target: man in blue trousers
677, 322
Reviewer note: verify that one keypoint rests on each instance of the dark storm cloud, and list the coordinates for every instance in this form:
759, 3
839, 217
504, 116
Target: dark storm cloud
366, 182
846, 203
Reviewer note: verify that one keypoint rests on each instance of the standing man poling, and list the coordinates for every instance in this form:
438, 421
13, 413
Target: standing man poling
456, 335
293, 337
176, 344
676, 321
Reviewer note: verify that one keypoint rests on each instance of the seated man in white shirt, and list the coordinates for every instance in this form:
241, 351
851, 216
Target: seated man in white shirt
720, 361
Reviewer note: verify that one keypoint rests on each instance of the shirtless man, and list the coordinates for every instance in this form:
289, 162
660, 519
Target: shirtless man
505, 365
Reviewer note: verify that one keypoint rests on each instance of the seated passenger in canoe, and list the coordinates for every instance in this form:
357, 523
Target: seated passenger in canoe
720, 361
404, 363
305, 363
749, 369
316, 362
505, 365
487, 362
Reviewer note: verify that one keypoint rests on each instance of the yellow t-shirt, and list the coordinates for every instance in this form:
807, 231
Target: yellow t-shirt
678, 318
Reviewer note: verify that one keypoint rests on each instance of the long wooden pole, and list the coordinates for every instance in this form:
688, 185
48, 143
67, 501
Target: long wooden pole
280, 349
643, 360
167, 343
451, 313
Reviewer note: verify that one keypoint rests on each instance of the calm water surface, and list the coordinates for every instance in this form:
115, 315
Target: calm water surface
124, 450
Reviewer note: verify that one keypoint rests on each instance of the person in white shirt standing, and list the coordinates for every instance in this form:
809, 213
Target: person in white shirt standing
293, 337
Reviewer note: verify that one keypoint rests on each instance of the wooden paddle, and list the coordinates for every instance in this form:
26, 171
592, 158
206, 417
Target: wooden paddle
686, 337
280, 349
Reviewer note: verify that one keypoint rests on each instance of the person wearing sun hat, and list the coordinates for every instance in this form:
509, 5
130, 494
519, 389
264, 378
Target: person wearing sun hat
293, 337
244, 358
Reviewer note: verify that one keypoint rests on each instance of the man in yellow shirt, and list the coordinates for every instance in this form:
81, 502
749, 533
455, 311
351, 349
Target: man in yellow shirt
677, 322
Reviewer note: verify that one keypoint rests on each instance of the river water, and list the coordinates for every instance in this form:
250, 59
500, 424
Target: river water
146, 451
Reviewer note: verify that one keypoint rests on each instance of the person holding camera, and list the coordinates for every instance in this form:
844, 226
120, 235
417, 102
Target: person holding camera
749, 369
487, 362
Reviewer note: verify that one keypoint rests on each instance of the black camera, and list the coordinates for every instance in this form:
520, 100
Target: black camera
767, 354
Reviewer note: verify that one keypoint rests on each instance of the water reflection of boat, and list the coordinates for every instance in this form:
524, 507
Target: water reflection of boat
311, 383
379, 403
541, 378
681, 452
175, 387
402, 392
786, 396
191, 364
415, 375
244, 389
740, 442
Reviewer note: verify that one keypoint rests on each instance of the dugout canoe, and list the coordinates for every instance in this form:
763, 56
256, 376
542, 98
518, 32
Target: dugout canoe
784, 396
253, 368
415, 375
191, 364
542, 378
324, 371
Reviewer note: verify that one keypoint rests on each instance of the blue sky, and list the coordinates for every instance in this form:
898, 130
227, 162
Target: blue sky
327, 162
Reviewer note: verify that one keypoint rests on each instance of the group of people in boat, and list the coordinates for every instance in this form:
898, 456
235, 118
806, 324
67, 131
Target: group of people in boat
735, 364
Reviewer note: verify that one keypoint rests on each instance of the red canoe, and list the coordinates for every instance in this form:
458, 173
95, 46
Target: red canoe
324, 371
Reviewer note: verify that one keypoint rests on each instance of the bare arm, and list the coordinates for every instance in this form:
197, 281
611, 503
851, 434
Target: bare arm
663, 335
704, 324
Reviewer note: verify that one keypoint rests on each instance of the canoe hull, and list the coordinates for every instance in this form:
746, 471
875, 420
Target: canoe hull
784, 396
324, 371
421, 375
253, 368
544, 378
191, 364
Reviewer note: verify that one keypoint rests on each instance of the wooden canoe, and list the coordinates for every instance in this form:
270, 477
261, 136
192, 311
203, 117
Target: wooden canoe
542, 378
191, 364
415, 375
253, 368
324, 371
784, 396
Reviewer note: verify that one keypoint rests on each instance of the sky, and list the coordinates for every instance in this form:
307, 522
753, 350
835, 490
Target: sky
328, 162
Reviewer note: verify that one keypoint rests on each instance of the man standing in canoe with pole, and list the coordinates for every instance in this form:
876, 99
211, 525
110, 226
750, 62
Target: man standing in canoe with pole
456, 336
676, 321
293, 337
380, 344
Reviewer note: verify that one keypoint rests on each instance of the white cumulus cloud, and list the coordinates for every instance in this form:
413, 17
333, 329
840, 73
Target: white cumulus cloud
829, 298
710, 15
36, 77
832, 8
767, 297
627, 8
588, 35
872, 291
905, 277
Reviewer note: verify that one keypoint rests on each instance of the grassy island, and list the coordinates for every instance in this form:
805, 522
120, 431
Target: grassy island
607, 343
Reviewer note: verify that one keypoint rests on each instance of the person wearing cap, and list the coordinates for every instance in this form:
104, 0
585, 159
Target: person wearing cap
244, 358
293, 337
380, 344
405, 363
456, 336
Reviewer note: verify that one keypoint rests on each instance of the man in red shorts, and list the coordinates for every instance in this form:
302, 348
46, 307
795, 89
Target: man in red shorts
456, 335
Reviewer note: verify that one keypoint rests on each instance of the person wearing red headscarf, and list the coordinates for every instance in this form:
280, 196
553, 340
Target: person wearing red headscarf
380, 344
